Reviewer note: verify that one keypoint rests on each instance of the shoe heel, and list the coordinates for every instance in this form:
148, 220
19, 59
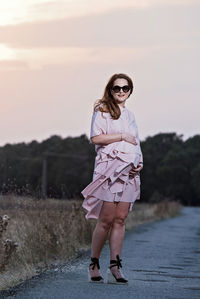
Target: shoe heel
109, 277
89, 277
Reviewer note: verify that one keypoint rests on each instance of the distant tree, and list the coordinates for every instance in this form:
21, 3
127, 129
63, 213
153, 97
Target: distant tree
154, 151
171, 167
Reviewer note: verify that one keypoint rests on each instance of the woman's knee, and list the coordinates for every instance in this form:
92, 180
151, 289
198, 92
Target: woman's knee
107, 215
121, 213
106, 223
119, 220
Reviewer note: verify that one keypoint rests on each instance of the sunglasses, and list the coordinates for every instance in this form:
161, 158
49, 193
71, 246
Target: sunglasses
117, 88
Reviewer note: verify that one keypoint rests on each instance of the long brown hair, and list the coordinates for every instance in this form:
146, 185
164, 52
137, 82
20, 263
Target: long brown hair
108, 103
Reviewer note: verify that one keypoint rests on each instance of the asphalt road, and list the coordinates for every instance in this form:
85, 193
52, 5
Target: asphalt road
161, 260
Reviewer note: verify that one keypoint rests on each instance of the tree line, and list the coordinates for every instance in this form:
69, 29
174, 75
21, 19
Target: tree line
171, 168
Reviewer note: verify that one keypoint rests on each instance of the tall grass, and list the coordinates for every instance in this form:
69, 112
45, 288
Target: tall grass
42, 233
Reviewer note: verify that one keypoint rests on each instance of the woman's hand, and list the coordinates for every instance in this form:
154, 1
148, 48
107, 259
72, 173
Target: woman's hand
129, 138
136, 170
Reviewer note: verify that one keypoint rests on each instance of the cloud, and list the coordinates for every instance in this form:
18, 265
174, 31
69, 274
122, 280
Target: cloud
13, 64
158, 47
129, 27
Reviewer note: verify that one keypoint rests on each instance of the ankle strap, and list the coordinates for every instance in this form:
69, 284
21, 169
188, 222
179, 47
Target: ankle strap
95, 261
116, 262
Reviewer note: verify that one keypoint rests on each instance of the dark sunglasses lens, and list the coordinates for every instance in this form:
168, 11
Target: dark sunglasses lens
116, 89
126, 88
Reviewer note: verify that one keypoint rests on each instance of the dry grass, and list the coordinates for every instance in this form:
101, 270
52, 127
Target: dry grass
43, 233
146, 212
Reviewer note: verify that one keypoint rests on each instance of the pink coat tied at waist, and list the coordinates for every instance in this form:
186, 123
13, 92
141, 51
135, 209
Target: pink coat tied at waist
111, 180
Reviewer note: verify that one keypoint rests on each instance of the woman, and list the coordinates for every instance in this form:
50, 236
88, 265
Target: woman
116, 178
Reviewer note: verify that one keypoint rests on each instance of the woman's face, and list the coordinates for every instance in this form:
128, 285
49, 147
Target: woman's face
121, 96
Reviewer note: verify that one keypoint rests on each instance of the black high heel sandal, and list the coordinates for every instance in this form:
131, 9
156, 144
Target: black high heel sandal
111, 277
95, 262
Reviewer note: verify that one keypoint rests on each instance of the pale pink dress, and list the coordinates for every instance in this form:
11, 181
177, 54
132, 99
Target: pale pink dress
111, 181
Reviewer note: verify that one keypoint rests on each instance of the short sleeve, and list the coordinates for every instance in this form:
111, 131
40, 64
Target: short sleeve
133, 125
98, 124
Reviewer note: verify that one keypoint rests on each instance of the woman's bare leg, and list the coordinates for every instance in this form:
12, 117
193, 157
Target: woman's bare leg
101, 230
117, 233
118, 229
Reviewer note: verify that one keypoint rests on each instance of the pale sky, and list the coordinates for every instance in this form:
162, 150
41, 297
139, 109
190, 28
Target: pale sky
57, 56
